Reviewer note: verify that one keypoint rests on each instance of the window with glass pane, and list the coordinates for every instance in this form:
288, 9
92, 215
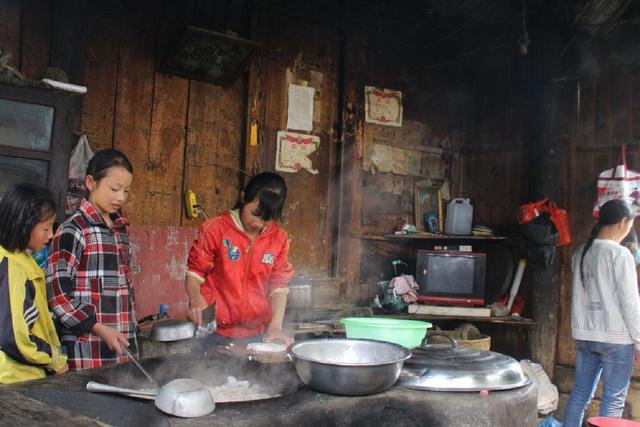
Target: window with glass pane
25, 125
14, 170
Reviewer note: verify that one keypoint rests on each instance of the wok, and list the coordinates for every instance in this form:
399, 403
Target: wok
274, 379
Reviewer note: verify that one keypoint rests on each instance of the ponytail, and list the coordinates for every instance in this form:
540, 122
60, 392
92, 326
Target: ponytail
611, 213
594, 233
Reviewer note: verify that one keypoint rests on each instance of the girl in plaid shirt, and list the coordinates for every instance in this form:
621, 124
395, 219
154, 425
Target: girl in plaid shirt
88, 272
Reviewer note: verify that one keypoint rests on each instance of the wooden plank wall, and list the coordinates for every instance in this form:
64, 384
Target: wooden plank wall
300, 46
608, 82
178, 133
476, 111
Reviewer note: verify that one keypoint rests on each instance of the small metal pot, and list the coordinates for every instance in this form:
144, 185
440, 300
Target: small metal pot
349, 367
172, 330
300, 295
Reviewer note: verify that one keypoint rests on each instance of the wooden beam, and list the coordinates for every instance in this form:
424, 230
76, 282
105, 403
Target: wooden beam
69, 38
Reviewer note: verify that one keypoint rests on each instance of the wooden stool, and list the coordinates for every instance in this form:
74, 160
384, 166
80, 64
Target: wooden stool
611, 422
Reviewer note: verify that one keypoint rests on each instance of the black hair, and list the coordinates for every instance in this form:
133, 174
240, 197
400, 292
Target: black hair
21, 209
611, 213
270, 190
105, 159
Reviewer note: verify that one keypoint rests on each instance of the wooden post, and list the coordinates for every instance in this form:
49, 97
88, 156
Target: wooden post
348, 250
547, 164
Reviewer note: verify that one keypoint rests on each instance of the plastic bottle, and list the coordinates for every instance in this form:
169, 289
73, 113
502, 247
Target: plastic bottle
459, 217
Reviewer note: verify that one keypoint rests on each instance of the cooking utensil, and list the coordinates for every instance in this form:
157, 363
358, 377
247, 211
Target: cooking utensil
348, 366
172, 330
95, 387
153, 382
186, 398
273, 379
209, 324
408, 333
451, 368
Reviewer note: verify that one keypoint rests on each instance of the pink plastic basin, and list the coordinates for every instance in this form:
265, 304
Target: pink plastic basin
611, 422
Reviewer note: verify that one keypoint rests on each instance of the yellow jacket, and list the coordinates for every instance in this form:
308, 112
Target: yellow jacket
29, 344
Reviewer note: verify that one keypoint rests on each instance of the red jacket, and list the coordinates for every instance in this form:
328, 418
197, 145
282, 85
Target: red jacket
238, 275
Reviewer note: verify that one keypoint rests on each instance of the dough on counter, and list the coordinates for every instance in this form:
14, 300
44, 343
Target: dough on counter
266, 347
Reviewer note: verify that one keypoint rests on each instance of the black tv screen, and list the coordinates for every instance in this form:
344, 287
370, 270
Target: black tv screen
451, 274
453, 277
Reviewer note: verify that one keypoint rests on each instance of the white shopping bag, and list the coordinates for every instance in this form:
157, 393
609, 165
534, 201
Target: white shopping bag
78, 163
618, 183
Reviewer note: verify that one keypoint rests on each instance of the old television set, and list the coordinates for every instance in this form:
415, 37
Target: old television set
451, 277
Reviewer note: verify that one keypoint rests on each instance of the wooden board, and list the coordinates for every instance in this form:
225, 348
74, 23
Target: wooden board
101, 73
36, 37
20, 410
134, 106
10, 29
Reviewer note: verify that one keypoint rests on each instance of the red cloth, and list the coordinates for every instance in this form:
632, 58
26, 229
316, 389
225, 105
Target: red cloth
238, 275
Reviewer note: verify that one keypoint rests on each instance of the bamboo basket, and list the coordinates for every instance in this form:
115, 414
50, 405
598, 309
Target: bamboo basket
464, 339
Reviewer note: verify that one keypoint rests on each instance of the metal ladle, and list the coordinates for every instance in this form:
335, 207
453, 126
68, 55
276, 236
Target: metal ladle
155, 384
183, 397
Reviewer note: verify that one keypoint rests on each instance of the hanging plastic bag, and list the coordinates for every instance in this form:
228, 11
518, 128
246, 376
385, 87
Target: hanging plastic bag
561, 220
618, 183
78, 163
547, 392
526, 213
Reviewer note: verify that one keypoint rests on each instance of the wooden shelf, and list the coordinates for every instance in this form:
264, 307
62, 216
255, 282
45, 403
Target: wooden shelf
510, 321
421, 236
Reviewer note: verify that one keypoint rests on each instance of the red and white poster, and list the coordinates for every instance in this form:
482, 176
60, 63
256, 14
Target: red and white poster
383, 106
293, 151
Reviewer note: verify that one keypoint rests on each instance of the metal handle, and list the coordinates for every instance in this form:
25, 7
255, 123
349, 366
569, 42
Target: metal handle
418, 373
96, 387
452, 341
139, 366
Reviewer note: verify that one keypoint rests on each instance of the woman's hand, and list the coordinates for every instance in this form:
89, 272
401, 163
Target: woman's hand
63, 370
278, 336
112, 338
636, 359
196, 305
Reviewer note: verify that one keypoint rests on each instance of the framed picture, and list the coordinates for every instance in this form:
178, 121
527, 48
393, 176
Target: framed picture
428, 208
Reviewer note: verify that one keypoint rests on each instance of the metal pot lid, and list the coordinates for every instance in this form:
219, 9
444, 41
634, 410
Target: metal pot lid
446, 368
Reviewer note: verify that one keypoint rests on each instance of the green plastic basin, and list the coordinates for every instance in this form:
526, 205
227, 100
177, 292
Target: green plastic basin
407, 333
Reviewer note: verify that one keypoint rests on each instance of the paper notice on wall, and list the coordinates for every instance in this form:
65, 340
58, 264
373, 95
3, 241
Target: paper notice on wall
381, 158
300, 108
414, 162
293, 151
399, 161
383, 106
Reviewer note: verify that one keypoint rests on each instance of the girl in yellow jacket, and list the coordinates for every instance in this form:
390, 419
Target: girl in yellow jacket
29, 344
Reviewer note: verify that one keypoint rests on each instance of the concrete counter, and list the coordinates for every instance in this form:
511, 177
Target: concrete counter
62, 400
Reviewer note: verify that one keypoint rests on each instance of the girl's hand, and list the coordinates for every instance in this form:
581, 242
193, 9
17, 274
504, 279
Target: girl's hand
278, 336
636, 359
112, 338
63, 370
196, 305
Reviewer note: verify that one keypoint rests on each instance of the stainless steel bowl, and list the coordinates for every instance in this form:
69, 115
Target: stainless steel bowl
347, 366
172, 330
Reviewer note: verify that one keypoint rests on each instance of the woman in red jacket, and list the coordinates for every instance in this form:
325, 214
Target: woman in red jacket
239, 262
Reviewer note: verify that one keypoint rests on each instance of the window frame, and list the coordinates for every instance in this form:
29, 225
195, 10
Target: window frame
66, 108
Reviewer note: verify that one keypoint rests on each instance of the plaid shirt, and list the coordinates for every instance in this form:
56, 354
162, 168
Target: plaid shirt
88, 282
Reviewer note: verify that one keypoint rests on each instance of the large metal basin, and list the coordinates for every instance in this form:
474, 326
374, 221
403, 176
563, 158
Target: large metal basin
347, 366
